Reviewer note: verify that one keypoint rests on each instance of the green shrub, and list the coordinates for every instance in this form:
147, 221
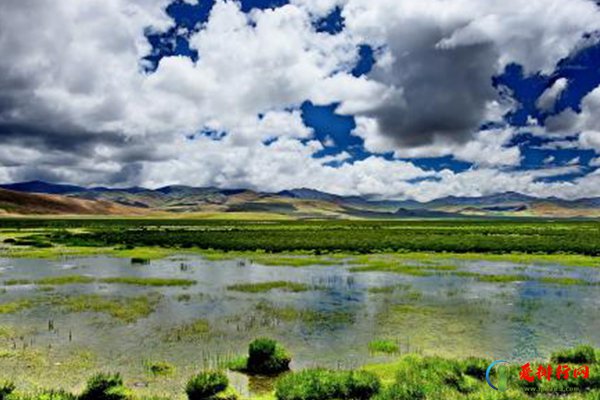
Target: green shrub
6, 388
105, 387
266, 356
313, 384
317, 384
401, 391
360, 385
578, 355
383, 346
206, 385
475, 367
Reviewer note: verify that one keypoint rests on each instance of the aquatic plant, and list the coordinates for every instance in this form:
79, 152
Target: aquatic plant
184, 297
160, 368
15, 306
383, 346
139, 281
266, 357
385, 266
105, 387
126, 309
268, 286
206, 384
81, 279
389, 289
311, 318
318, 384
190, 331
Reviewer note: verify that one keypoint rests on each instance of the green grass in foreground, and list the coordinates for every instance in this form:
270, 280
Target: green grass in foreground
268, 286
410, 377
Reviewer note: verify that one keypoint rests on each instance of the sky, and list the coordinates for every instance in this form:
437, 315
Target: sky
389, 99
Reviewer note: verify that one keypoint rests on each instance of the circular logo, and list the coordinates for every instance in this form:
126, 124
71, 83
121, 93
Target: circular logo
501, 374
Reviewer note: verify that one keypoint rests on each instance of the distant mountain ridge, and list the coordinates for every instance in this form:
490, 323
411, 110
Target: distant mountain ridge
308, 203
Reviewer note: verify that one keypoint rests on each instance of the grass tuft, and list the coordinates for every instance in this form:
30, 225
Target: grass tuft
384, 346
188, 332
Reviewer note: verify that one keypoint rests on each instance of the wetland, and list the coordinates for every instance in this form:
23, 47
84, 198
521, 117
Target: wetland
159, 314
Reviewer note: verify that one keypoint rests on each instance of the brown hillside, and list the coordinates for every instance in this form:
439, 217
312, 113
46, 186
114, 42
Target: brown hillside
26, 203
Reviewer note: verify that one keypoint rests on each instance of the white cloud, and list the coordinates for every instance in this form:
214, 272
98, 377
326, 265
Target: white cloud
586, 122
548, 98
441, 56
76, 106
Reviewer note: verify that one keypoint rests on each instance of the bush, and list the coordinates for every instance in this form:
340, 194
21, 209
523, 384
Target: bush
266, 356
105, 387
383, 346
6, 388
475, 367
578, 355
360, 385
206, 385
400, 391
317, 384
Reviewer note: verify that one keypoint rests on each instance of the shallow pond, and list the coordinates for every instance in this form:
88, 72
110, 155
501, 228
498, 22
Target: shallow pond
56, 337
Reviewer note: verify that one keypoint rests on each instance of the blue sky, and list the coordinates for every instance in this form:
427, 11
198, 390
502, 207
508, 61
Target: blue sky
384, 99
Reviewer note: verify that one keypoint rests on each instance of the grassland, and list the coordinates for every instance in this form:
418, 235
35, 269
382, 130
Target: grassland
408, 377
302, 243
461, 236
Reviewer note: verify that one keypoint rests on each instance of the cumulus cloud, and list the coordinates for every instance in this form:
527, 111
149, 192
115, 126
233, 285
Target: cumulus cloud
486, 148
77, 106
441, 56
548, 98
586, 122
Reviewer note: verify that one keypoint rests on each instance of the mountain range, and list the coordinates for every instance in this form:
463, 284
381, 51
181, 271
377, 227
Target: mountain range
38, 197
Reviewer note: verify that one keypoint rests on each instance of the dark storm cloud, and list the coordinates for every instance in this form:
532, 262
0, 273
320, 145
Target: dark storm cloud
57, 138
444, 90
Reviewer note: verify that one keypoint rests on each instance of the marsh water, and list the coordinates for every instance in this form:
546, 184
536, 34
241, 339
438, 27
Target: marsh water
331, 324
